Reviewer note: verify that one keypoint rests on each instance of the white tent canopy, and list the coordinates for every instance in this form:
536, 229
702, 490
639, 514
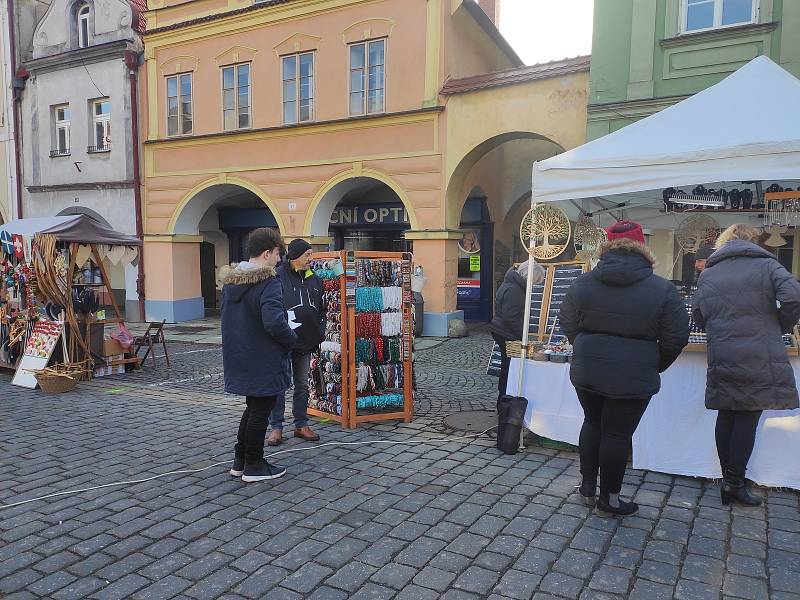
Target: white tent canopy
746, 127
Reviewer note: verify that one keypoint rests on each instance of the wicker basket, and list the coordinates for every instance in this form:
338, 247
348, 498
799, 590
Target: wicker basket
60, 378
56, 384
514, 349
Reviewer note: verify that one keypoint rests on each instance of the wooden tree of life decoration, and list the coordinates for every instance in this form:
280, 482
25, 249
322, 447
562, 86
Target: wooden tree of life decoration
696, 231
550, 229
587, 239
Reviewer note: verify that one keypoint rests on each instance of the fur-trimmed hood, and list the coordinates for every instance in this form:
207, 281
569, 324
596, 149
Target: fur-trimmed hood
628, 245
246, 273
624, 262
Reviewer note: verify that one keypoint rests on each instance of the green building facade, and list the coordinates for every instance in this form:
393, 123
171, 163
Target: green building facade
650, 54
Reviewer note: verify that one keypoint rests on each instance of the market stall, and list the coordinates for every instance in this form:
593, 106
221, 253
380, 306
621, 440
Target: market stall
740, 136
363, 370
52, 296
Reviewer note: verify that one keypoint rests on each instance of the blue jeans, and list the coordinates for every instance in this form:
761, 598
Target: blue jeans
301, 363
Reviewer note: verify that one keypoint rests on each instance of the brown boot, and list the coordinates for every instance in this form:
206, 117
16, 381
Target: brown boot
275, 438
307, 434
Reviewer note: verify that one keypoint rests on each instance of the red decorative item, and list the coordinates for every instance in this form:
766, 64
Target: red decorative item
19, 246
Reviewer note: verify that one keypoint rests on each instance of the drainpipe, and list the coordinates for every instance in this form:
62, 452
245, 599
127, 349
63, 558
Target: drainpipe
132, 62
18, 84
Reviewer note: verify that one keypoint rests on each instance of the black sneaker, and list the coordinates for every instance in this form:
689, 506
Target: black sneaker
261, 471
238, 466
625, 509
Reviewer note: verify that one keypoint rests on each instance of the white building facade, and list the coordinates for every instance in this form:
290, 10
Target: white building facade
78, 146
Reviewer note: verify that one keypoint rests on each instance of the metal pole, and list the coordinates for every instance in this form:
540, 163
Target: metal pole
528, 293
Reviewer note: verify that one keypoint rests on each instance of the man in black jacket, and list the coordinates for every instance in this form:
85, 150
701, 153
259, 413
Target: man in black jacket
626, 325
304, 300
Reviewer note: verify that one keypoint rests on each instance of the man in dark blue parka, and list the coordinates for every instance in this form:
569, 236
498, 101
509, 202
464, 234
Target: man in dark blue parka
256, 341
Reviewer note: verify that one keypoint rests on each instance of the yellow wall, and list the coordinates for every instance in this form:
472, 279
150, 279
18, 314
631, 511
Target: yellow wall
424, 145
551, 109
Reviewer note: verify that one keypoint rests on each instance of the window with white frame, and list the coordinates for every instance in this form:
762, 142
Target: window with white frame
61, 129
298, 88
179, 104
101, 130
236, 96
83, 26
699, 15
368, 77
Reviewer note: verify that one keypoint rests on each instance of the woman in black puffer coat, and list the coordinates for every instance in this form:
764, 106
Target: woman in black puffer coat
626, 325
745, 299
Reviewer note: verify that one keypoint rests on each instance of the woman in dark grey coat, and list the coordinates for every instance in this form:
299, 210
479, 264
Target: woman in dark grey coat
745, 300
509, 314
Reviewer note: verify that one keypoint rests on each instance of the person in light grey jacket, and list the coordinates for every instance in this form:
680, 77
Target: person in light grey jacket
745, 300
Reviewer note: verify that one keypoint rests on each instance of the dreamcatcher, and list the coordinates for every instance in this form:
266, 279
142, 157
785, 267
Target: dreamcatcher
550, 229
696, 231
776, 239
588, 239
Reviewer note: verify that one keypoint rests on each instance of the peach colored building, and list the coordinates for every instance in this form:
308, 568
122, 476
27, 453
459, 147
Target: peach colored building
357, 124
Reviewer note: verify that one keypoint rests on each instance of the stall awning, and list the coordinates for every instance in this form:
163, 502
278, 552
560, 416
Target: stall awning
74, 228
747, 127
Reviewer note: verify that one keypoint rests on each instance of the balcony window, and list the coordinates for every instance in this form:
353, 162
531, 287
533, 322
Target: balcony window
61, 130
101, 130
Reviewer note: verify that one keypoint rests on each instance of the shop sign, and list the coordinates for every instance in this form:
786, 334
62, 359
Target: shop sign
364, 214
468, 289
475, 263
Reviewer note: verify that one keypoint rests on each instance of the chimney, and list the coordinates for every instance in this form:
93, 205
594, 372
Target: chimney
491, 8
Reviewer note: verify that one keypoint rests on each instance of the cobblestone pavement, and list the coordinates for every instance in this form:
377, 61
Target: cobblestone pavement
454, 520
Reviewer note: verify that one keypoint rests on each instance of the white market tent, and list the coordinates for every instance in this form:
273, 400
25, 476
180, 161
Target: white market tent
746, 127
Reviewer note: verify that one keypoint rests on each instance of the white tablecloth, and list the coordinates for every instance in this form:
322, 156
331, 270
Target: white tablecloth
676, 434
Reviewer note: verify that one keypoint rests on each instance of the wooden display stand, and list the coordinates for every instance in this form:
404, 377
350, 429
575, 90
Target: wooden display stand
406, 341
350, 417
344, 418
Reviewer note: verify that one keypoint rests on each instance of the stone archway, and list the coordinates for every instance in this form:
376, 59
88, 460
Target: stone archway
221, 214
319, 213
459, 180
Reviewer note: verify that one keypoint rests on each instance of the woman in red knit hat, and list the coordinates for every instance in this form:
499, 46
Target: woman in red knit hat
626, 325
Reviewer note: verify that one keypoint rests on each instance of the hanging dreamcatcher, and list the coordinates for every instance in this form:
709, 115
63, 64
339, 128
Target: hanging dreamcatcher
550, 229
696, 231
776, 239
588, 239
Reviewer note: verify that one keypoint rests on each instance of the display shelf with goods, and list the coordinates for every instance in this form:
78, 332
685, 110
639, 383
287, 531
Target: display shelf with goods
381, 337
54, 283
547, 340
328, 375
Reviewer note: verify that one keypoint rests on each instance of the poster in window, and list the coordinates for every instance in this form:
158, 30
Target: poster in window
470, 241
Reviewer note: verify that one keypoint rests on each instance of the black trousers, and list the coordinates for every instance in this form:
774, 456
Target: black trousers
505, 363
736, 436
605, 440
253, 428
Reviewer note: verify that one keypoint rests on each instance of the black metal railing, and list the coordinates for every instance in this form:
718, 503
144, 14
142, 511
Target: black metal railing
59, 152
96, 149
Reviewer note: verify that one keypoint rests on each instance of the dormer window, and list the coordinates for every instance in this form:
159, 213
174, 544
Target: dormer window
83, 26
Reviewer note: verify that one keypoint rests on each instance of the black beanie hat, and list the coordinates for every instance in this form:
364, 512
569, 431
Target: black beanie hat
704, 253
297, 248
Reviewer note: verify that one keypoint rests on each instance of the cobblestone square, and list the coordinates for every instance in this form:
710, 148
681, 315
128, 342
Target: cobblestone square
431, 518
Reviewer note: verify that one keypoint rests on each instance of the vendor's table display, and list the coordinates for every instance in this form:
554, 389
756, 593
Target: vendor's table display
364, 369
53, 280
676, 434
